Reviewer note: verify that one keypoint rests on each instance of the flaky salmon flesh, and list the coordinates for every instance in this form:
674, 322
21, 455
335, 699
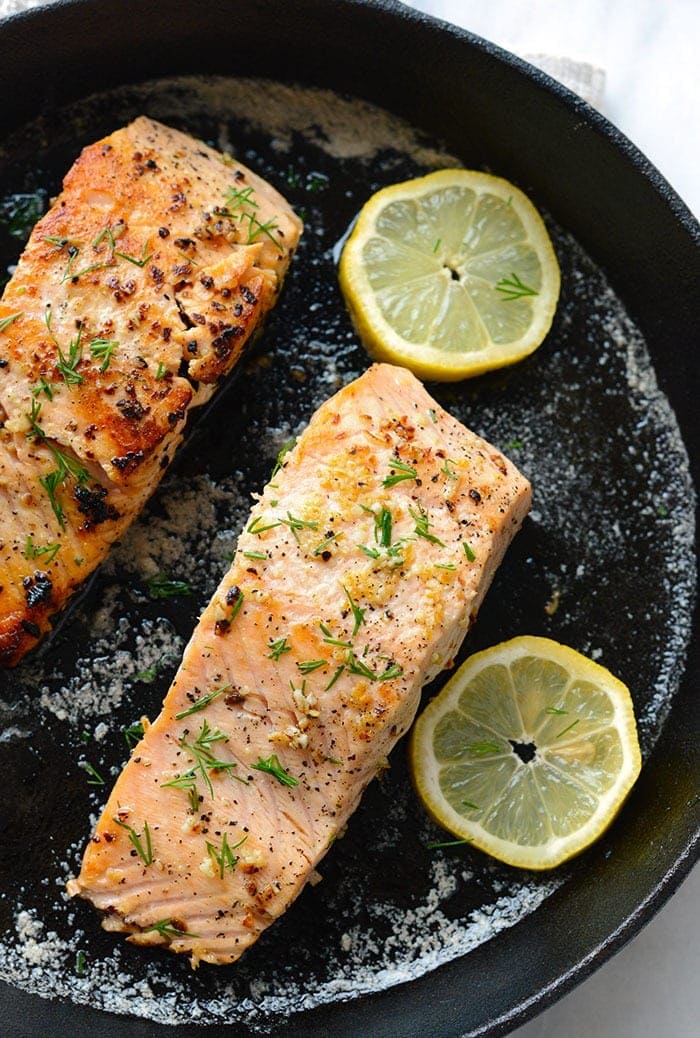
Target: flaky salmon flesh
357, 576
135, 296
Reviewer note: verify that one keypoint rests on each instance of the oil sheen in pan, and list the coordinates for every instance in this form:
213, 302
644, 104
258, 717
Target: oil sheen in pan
604, 563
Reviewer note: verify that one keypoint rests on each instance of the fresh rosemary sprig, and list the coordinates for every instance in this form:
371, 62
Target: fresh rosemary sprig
168, 929
102, 349
277, 648
224, 856
202, 702
65, 465
513, 288
357, 613
161, 586
308, 666
399, 471
95, 778
5, 322
272, 766
133, 733
141, 841
422, 527
31, 551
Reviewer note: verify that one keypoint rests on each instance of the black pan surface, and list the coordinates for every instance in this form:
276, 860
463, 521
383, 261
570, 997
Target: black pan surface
397, 938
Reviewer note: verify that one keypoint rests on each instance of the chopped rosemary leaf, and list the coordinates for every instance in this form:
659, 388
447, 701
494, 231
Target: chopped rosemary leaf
371, 552
433, 416
42, 386
282, 455
80, 959
422, 526
161, 371
65, 465
393, 671
399, 471
272, 766
445, 843
328, 637
323, 546
335, 677
555, 710
224, 856
568, 728
308, 666
133, 733
144, 850
449, 472
166, 928
445, 565
31, 551
5, 322
468, 551
357, 613
257, 529
102, 349
95, 778
188, 782
513, 288
202, 702
277, 648
132, 259
296, 524
162, 587
356, 666
254, 555
205, 761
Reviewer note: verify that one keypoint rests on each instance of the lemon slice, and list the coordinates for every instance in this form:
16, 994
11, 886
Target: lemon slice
450, 275
527, 752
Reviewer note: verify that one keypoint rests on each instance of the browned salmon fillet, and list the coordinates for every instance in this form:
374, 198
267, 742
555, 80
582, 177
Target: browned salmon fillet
135, 295
363, 564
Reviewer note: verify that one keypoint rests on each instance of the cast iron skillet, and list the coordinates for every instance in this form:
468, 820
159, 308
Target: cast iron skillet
458, 89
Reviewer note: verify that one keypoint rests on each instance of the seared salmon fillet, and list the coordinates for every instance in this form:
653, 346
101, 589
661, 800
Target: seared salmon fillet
134, 297
363, 564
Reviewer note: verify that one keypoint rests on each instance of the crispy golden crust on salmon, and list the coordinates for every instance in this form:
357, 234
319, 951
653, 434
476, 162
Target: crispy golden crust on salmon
363, 564
136, 294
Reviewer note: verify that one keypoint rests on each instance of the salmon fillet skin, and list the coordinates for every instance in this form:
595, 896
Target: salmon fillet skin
362, 566
136, 294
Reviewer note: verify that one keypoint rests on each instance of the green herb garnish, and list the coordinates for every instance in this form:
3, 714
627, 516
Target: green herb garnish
399, 471
422, 527
357, 613
272, 766
141, 841
513, 288
102, 349
95, 778
5, 322
277, 648
202, 702
468, 551
161, 587
168, 929
133, 733
31, 551
568, 728
308, 666
224, 856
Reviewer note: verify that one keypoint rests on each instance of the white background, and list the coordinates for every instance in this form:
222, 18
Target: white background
649, 50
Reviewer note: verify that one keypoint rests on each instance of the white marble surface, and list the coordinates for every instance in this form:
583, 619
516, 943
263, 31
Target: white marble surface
648, 50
